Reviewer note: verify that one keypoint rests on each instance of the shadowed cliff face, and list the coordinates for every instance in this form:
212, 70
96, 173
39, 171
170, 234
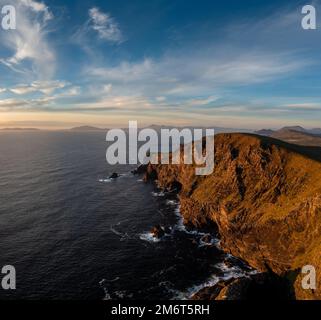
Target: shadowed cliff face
265, 197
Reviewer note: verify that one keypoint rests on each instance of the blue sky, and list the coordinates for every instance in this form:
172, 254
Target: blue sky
242, 64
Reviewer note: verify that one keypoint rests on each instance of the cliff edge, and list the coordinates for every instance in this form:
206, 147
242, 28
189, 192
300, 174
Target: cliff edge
265, 198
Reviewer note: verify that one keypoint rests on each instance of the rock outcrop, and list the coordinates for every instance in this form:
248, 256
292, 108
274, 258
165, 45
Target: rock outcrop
114, 175
263, 286
157, 232
264, 196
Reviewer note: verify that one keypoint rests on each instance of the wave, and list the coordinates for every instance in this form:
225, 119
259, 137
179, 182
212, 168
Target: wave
110, 294
228, 273
122, 236
158, 194
149, 237
105, 180
180, 226
172, 202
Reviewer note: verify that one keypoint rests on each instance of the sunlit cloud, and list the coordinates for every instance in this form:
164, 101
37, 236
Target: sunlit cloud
197, 74
28, 43
45, 87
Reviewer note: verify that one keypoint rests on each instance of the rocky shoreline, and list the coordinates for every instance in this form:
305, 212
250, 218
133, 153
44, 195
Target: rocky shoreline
264, 198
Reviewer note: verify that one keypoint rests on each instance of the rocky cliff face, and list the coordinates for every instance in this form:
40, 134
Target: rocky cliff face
265, 198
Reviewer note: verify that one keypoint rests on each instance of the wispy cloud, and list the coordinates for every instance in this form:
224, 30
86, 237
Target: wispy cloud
28, 43
201, 101
105, 25
11, 104
38, 7
99, 24
45, 87
197, 73
30, 105
308, 106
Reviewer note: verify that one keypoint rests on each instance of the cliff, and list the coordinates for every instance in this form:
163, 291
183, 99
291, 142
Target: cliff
265, 198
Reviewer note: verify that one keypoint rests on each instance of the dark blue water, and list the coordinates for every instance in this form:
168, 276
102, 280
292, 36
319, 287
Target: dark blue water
71, 233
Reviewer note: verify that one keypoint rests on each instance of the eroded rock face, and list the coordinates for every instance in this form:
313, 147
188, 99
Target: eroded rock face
265, 198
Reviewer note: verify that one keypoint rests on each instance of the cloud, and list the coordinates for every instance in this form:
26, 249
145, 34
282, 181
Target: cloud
126, 71
106, 88
45, 87
38, 7
11, 104
71, 92
308, 106
197, 74
100, 23
22, 90
202, 101
32, 54
120, 103
106, 26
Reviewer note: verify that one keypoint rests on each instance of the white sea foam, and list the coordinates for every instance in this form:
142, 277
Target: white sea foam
149, 237
120, 175
180, 223
214, 241
158, 194
104, 284
180, 226
171, 202
229, 273
105, 180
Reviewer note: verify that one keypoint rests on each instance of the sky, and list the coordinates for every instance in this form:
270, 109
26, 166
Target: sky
238, 64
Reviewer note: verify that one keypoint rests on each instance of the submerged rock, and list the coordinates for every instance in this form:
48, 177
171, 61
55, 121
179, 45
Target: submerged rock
115, 175
140, 169
157, 232
207, 238
167, 230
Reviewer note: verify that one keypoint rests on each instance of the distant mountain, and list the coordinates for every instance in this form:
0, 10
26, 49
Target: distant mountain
264, 132
297, 137
316, 131
19, 129
87, 128
295, 128
216, 129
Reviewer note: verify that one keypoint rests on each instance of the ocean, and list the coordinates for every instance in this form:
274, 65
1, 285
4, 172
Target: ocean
73, 233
